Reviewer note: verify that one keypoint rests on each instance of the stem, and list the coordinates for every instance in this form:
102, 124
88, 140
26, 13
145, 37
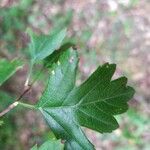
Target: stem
29, 74
25, 91
26, 105
9, 108
13, 105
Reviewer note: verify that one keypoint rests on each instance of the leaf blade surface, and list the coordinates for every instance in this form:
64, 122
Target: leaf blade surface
66, 107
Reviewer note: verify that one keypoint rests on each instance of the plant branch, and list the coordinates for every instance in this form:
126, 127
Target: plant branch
13, 105
9, 108
29, 75
26, 105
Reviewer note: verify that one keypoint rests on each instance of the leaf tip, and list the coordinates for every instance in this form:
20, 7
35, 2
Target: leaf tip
107, 65
71, 59
132, 91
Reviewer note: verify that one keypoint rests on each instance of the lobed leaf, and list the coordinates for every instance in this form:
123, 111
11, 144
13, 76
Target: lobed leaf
43, 46
53, 58
93, 104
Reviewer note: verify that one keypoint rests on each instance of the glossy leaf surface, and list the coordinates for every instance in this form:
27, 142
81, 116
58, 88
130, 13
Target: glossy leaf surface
93, 104
44, 45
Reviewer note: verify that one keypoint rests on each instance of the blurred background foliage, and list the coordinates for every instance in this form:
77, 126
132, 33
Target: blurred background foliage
103, 31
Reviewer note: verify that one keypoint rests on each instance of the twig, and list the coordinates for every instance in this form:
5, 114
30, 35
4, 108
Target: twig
10, 107
29, 75
13, 105
27, 105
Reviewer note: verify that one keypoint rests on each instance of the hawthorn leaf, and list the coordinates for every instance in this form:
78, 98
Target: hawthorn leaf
42, 46
93, 104
8, 68
48, 61
50, 145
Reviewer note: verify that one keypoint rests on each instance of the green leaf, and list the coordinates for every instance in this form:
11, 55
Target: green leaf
43, 46
50, 145
93, 104
7, 69
34, 147
48, 61
5, 100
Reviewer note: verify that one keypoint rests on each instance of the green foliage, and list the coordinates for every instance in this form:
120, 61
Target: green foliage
53, 58
50, 145
43, 46
7, 126
5, 100
93, 104
67, 107
7, 69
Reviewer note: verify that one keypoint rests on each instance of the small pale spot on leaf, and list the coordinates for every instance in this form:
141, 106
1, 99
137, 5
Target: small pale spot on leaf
53, 72
107, 66
58, 63
71, 59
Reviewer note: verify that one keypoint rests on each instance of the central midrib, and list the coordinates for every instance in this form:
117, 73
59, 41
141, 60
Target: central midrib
80, 104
